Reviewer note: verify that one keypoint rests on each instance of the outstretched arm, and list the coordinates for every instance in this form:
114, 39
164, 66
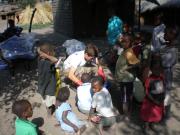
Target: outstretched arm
65, 120
44, 55
72, 77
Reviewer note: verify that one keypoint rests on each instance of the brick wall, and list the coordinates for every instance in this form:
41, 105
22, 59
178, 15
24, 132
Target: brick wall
62, 11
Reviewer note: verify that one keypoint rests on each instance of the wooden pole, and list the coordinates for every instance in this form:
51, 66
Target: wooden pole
32, 20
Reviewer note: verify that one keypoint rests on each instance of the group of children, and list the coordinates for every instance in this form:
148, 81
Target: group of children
154, 69
94, 99
151, 64
99, 108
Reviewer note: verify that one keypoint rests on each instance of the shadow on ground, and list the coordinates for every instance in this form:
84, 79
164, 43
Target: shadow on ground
22, 85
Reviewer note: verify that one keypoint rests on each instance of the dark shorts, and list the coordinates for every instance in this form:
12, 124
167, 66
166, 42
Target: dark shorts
107, 121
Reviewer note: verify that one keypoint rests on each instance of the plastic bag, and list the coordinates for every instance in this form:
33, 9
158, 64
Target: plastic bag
73, 45
19, 47
139, 91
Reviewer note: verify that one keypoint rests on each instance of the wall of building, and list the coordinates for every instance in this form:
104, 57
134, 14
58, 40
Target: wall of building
88, 18
62, 12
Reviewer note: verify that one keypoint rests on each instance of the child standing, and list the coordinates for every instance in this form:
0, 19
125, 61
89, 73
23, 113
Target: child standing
46, 78
84, 94
125, 72
169, 59
64, 115
23, 111
153, 104
102, 104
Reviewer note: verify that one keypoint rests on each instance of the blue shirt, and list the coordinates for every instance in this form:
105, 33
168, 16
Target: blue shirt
158, 38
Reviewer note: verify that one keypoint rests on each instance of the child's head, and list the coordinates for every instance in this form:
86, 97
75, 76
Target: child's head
126, 41
47, 48
63, 94
126, 28
170, 33
97, 83
86, 77
22, 109
158, 19
156, 67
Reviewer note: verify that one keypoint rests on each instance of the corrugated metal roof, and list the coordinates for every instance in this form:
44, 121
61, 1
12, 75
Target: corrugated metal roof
7, 9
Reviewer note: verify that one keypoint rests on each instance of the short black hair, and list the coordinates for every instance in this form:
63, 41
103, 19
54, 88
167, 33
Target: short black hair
86, 77
97, 79
46, 47
63, 94
159, 15
129, 36
173, 30
21, 106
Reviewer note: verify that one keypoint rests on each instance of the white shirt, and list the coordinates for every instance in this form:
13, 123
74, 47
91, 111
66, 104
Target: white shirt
103, 103
169, 56
84, 96
158, 38
75, 60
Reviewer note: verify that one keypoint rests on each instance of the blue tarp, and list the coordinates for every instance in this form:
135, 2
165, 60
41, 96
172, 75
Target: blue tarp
18, 47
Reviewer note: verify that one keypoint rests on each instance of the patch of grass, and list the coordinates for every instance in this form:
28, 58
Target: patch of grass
36, 26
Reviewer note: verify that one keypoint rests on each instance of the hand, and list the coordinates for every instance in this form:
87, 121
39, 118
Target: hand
97, 61
95, 119
41, 54
79, 83
101, 73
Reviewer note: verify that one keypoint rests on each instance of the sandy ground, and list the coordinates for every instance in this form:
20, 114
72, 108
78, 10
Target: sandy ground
24, 85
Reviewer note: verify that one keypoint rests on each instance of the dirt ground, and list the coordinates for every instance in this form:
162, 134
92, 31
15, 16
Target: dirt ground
24, 85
